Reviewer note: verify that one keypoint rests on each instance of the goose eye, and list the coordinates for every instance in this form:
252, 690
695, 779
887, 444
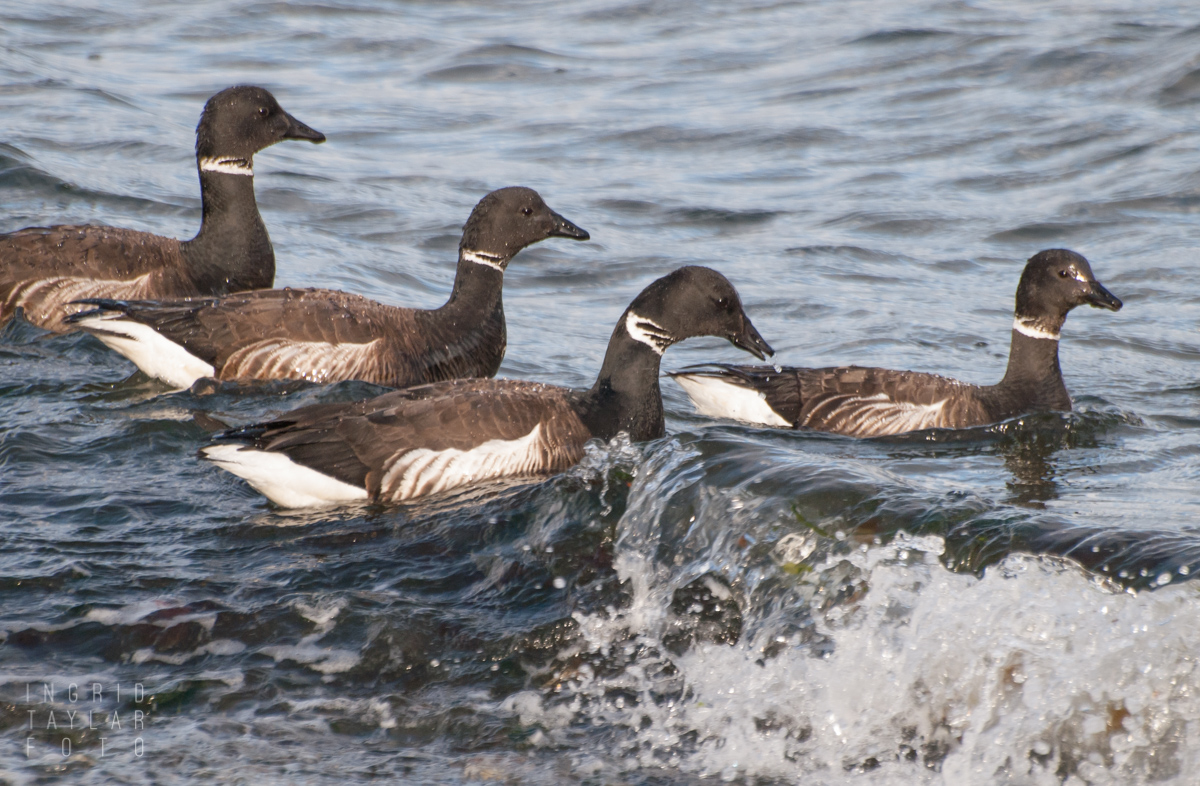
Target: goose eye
528, 211
1064, 274
723, 303
263, 111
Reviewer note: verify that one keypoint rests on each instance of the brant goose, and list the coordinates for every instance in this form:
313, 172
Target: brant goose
326, 336
873, 402
42, 269
423, 440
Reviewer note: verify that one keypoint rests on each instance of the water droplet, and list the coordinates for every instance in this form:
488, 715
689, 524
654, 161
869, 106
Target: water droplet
560, 582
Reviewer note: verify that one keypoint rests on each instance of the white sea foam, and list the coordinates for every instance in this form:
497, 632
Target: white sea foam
326, 660
321, 613
126, 615
932, 677
215, 647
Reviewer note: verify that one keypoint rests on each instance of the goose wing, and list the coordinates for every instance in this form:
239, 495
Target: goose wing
873, 402
320, 335
851, 400
316, 334
427, 439
43, 269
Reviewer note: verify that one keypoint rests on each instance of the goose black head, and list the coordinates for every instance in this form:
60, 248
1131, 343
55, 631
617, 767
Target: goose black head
239, 121
692, 301
506, 221
1054, 282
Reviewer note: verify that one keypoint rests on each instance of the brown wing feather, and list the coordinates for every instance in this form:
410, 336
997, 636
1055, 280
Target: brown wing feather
369, 442
42, 269
323, 335
871, 402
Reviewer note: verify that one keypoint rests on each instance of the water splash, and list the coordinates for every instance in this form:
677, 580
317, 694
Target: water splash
869, 659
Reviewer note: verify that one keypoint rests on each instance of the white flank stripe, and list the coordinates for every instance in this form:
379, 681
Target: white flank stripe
226, 165
648, 332
316, 361
1032, 330
423, 471
155, 354
878, 415
485, 259
281, 480
717, 397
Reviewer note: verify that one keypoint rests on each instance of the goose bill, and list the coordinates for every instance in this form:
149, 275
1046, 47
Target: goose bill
751, 341
1102, 298
564, 228
298, 130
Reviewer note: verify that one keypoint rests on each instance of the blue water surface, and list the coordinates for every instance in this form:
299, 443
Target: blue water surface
1006, 605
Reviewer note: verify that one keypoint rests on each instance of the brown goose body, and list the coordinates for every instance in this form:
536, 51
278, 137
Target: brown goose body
413, 442
872, 402
45, 269
432, 438
323, 335
858, 401
319, 335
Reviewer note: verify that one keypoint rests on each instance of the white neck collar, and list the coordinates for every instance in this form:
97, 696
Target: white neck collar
648, 332
1027, 328
484, 258
227, 165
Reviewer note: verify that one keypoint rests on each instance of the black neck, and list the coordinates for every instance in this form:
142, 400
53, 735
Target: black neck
477, 287
232, 251
626, 395
1033, 380
469, 331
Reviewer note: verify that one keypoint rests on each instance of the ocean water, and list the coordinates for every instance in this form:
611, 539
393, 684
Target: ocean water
1007, 605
